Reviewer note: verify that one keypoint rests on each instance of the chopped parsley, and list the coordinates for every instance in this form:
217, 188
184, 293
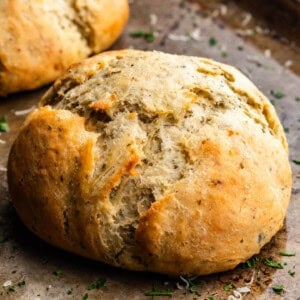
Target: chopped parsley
21, 283
240, 48
286, 129
211, 298
292, 273
11, 289
190, 285
3, 125
58, 273
297, 98
277, 288
296, 161
69, 292
156, 292
228, 287
204, 14
212, 42
85, 296
287, 253
273, 264
250, 263
224, 53
97, 284
140, 33
277, 94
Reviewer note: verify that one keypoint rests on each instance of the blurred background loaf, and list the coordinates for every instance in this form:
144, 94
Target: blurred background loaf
40, 39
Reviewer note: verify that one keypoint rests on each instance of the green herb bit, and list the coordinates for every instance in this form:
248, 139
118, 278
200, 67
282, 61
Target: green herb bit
292, 273
69, 292
252, 262
190, 285
212, 42
58, 273
97, 284
159, 293
277, 288
3, 238
3, 125
192, 290
297, 99
211, 298
228, 287
155, 292
140, 33
149, 37
296, 161
273, 264
204, 14
240, 48
287, 253
21, 283
85, 296
11, 289
272, 101
224, 53
277, 94
286, 129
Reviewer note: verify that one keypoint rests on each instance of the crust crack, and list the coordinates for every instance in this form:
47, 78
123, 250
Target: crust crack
83, 27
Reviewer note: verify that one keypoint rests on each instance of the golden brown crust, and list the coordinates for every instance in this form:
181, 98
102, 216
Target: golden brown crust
145, 164
50, 168
41, 39
217, 219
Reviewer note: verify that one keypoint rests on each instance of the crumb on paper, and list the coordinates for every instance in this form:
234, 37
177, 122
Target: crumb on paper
153, 19
288, 63
3, 169
7, 283
24, 111
223, 9
247, 19
196, 35
267, 53
178, 37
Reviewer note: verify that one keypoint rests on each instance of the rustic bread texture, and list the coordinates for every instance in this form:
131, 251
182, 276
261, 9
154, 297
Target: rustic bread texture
40, 39
152, 161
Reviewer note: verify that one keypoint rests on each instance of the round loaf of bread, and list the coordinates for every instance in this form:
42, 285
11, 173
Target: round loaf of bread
152, 161
41, 39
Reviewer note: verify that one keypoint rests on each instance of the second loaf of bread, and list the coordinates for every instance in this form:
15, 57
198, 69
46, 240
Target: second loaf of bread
39, 40
151, 161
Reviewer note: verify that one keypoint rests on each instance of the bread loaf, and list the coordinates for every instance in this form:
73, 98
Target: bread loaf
40, 39
152, 161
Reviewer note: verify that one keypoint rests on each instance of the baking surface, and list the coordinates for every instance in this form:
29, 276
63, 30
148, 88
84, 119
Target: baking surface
31, 269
